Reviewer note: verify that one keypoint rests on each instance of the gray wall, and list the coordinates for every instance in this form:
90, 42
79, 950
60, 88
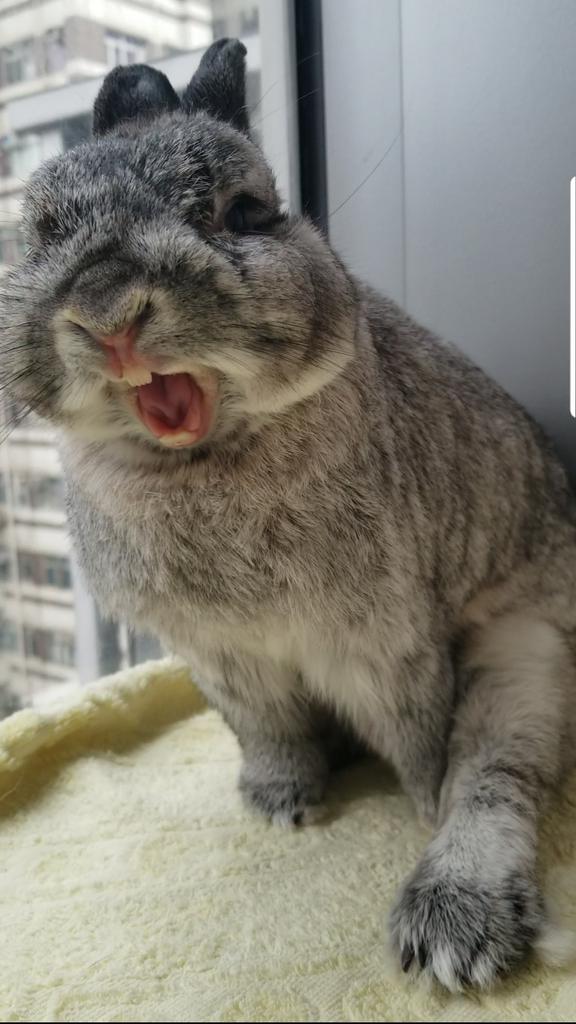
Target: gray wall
362, 76
472, 202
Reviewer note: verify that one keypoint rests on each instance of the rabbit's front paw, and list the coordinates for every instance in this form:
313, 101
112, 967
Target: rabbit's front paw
284, 801
464, 932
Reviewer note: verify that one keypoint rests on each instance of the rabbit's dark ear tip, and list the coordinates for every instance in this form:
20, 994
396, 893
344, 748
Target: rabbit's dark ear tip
218, 87
129, 92
234, 48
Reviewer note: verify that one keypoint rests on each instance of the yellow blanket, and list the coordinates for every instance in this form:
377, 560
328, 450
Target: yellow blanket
135, 887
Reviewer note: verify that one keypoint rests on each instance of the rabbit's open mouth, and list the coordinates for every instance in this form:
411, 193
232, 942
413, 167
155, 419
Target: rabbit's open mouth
174, 408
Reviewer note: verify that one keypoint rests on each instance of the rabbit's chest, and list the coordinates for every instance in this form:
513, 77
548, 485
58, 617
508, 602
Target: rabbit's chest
215, 557
198, 556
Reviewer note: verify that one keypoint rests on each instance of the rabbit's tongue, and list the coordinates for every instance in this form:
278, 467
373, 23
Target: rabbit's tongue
173, 408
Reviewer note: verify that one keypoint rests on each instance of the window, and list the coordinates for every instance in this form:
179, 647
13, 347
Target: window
8, 635
62, 649
32, 148
48, 645
76, 130
55, 49
44, 570
4, 159
55, 116
39, 492
18, 62
124, 49
57, 571
5, 565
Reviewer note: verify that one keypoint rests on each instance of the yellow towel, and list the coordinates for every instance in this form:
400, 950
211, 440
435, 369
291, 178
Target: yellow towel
135, 887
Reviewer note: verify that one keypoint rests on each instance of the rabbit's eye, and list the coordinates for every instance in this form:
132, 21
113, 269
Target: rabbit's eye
247, 215
47, 226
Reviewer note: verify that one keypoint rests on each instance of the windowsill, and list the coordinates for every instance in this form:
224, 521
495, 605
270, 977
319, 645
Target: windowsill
37, 592
38, 517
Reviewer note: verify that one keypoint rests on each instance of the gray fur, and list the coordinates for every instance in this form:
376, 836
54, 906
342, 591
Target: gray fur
373, 530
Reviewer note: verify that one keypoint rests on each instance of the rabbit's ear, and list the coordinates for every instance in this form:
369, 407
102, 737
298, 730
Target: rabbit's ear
219, 85
134, 91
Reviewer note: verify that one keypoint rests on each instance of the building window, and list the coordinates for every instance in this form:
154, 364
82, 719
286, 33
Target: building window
44, 570
63, 649
8, 635
18, 62
22, 154
48, 645
45, 59
76, 130
39, 492
58, 573
124, 49
5, 565
4, 157
55, 49
32, 148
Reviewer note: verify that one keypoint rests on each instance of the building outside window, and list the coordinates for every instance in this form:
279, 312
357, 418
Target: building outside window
8, 635
124, 50
32, 148
38, 492
5, 565
18, 62
50, 630
55, 49
49, 646
44, 570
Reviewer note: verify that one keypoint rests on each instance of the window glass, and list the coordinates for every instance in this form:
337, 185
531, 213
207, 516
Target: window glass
5, 565
122, 49
52, 60
31, 148
18, 61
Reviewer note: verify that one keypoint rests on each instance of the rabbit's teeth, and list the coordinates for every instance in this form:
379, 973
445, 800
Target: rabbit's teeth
136, 376
184, 437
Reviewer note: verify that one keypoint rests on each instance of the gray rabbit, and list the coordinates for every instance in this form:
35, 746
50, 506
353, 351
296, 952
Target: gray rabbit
351, 533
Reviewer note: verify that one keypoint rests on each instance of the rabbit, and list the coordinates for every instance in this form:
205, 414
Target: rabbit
355, 538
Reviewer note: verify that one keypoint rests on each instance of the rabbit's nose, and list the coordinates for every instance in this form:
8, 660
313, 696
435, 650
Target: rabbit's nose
121, 343
122, 360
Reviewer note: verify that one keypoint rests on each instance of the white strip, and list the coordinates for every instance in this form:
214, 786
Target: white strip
573, 297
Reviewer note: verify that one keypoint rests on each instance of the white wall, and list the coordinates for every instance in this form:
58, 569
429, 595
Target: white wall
362, 76
489, 146
489, 109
